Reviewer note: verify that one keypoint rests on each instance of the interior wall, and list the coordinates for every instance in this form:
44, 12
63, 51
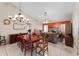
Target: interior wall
6, 10
76, 29
59, 25
68, 28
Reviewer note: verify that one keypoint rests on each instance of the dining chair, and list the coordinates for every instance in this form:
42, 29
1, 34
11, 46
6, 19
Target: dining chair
29, 44
26, 43
42, 45
21, 41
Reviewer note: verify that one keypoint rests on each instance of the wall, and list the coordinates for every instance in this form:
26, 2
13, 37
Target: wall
65, 24
68, 28
7, 9
76, 29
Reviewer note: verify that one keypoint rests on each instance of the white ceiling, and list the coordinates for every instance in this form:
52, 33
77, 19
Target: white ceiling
56, 11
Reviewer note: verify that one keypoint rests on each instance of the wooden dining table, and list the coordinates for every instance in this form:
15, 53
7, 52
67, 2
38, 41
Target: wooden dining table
31, 39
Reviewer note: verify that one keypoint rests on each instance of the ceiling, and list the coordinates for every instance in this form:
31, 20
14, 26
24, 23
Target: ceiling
56, 11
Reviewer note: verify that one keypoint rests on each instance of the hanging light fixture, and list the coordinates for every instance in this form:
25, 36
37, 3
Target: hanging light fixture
45, 23
19, 18
45, 16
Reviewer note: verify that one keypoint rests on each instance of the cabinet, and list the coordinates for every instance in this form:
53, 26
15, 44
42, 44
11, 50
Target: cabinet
69, 41
13, 38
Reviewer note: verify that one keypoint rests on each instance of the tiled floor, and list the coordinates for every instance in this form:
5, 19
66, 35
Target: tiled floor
54, 50
60, 50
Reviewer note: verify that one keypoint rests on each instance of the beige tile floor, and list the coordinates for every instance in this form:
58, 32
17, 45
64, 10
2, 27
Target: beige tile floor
54, 50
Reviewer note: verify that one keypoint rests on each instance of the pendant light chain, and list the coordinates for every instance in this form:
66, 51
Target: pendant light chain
45, 15
20, 7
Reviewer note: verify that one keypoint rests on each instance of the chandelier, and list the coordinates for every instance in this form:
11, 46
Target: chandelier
20, 18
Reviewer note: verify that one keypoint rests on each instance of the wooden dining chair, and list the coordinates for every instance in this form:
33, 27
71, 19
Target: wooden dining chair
20, 41
29, 44
42, 45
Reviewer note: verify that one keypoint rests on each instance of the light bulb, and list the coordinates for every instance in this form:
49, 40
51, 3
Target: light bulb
15, 17
24, 17
28, 19
21, 16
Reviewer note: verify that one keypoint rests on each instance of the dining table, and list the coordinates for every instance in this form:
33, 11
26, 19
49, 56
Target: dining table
32, 39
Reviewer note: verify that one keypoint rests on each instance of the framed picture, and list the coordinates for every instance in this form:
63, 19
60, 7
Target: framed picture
17, 26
